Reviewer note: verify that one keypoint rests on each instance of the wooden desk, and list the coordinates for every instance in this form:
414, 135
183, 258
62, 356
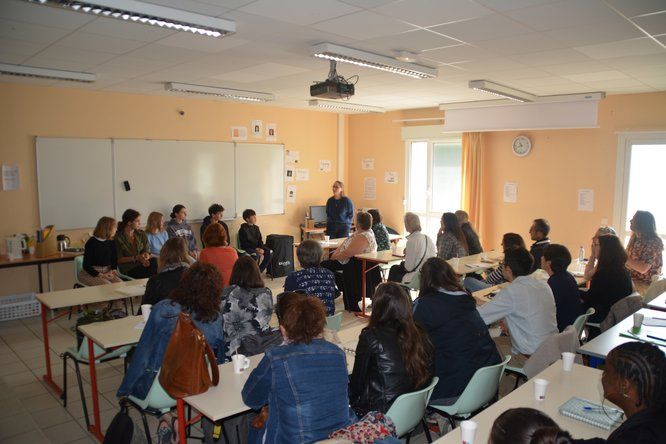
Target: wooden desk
600, 346
473, 263
31, 259
658, 303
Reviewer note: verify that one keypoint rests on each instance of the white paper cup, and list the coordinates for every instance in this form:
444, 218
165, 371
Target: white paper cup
145, 311
467, 431
568, 361
455, 263
638, 320
241, 363
327, 238
540, 386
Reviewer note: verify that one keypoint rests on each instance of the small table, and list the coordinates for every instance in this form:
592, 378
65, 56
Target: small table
474, 264
658, 303
600, 346
378, 258
581, 381
31, 259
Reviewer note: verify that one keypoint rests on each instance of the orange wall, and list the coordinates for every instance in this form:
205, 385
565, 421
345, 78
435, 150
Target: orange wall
30, 111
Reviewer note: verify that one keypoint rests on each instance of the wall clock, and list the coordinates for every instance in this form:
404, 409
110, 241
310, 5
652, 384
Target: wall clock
521, 146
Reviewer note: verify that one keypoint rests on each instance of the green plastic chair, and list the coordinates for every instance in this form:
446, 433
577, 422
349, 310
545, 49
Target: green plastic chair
78, 266
408, 409
156, 403
579, 323
480, 392
334, 322
80, 356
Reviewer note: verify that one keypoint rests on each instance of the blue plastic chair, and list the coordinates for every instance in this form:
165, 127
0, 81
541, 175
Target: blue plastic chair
408, 409
334, 322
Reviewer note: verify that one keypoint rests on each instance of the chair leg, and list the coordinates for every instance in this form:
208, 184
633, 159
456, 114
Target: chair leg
145, 426
426, 430
409, 435
451, 421
83, 395
64, 380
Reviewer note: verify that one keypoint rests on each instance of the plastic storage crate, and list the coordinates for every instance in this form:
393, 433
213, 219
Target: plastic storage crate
19, 306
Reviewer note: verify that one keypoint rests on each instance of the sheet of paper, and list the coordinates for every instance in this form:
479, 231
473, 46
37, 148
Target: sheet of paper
10, 177
238, 133
289, 175
256, 129
140, 326
324, 165
368, 163
510, 192
585, 199
369, 188
391, 177
292, 156
291, 193
132, 290
302, 174
271, 132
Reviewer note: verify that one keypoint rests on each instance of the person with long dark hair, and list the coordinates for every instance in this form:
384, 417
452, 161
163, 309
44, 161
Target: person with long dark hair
495, 277
218, 252
525, 425
644, 250
611, 280
172, 263
459, 336
393, 354
134, 258
451, 241
471, 236
381, 233
591, 264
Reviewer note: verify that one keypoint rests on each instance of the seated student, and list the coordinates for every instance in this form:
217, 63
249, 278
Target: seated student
527, 307
644, 250
555, 260
217, 252
468, 230
178, 227
611, 281
247, 305
303, 382
451, 241
249, 236
199, 293
539, 234
134, 258
461, 340
393, 355
526, 425
381, 233
419, 249
215, 213
591, 264
362, 241
495, 277
172, 263
313, 279
156, 233
99, 256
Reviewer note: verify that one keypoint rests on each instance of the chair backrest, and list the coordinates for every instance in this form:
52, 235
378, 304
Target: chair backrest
157, 398
481, 389
408, 409
78, 266
551, 350
656, 288
581, 320
334, 322
622, 309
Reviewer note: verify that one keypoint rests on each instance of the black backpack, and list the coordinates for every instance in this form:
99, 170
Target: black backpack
121, 429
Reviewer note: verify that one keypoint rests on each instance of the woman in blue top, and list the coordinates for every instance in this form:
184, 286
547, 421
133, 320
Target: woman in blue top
313, 279
339, 212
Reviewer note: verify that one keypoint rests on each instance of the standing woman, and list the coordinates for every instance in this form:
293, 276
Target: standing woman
451, 240
339, 212
134, 258
644, 250
156, 233
178, 227
99, 257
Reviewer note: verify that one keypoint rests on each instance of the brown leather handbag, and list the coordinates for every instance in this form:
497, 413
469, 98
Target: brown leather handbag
184, 368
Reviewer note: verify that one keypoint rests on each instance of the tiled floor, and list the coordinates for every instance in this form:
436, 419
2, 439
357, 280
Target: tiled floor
32, 414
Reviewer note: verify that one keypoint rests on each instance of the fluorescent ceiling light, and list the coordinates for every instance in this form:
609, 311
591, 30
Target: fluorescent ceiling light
501, 90
234, 94
581, 97
149, 14
46, 73
338, 53
345, 106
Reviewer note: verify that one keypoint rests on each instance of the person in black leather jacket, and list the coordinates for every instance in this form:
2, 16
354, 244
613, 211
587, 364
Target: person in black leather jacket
172, 263
393, 355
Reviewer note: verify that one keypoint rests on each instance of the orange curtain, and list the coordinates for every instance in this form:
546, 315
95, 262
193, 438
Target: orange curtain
472, 158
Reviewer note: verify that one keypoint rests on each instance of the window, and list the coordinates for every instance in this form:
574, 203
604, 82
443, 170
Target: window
434, 185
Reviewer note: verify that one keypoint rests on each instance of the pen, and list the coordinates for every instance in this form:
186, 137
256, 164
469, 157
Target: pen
656, 337
587, 408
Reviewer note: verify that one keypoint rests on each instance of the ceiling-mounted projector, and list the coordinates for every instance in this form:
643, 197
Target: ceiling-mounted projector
334, 87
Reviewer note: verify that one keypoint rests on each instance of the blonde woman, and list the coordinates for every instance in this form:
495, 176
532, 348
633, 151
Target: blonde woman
339, 212
99, 258
156, 233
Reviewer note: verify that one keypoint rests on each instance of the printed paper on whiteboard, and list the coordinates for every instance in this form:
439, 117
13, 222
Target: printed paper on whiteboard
238, 133
585, 199
271, 132
291, 193
368, 164
391, 177
302, 174
510, 192
369, 188
256, 129
292, 156
324, 165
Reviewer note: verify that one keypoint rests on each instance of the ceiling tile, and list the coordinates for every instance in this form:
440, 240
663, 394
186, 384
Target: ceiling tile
493, 64
631, 47
509, 5
29, 32
367, 4
193, 6
20, 47
90, 57
611, 84
23, 11
520, 44
300, 12
482, 28
632, 8
96, 42
128, 30
130, 67
414, 41
595, 76
654, 24
432, 12
457, 53
657, 82
260, 72
11, 57
363, 26
595, 33
171, 54
563, 14
575, 68
554, 57
636, 63
187, 40
42, 61
229, 4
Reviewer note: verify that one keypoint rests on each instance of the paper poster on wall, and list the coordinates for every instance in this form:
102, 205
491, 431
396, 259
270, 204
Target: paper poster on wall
324, 165
256, 129
10, 177
289, 175
368, 164
510, 192
369, 188
271, 132
292, 156
238, 133
291, 193
585, 199
391, 177
302, 174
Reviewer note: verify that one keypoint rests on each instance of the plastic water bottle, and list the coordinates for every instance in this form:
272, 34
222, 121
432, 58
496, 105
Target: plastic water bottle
581, 254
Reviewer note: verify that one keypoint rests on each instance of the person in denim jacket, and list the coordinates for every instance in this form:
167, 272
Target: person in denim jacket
303, 381
198, 293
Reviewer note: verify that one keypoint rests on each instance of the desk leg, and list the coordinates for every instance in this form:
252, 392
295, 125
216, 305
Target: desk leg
48, 377
180, 406
362, 314
96, 427
39, 278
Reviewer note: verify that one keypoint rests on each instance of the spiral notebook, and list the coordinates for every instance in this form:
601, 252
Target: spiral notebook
591, 413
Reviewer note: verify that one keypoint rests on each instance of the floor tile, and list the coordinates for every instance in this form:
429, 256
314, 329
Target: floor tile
50, 417
29, 390
16, 425
66, 432
32, 437
40, 402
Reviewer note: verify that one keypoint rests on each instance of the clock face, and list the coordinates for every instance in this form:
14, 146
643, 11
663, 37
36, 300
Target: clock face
521, 146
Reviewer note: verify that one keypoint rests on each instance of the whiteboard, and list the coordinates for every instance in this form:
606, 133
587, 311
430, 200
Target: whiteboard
260, 178
163, 173
75, 181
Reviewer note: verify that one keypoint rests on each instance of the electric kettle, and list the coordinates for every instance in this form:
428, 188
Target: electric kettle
63, 242
15, 247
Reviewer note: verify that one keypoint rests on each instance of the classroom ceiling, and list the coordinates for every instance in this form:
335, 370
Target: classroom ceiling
543, 47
